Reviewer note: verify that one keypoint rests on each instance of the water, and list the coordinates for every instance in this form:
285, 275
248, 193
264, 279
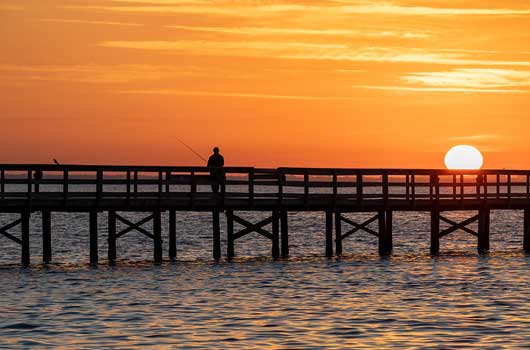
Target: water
409, 300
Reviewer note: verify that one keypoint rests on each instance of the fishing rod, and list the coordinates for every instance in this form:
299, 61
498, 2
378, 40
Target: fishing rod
191, 149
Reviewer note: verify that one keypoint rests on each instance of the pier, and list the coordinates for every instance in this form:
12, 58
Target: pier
339, 193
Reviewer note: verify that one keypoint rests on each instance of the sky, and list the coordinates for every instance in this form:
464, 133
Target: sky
335, 83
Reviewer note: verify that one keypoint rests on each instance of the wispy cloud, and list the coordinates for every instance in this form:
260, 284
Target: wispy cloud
401, 88
393, 9
480, 137
471, 78
7, 7
312, 51
235, 94
81, 21
301, 31
92, 73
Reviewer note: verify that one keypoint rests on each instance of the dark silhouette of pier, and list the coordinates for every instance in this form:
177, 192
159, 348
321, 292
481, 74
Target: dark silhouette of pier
26, 189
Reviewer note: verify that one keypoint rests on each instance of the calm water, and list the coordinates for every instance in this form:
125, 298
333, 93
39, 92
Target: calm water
410, 300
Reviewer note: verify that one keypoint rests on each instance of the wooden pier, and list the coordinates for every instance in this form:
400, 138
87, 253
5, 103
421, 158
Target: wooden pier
26, 189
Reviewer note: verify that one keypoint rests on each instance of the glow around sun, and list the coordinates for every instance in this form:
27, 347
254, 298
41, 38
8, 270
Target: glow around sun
464, 157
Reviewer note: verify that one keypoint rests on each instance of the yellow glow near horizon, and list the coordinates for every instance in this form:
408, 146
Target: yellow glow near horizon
464, 157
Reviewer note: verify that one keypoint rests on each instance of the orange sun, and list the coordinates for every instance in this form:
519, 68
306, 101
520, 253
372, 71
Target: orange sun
464, 157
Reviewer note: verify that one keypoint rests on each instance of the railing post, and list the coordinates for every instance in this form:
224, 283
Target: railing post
65, 187
2, 183
306, 187
251, 187
359, 190
46, 236
385, 188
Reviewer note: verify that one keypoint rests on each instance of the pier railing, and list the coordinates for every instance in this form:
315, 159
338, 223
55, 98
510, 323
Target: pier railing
41, 185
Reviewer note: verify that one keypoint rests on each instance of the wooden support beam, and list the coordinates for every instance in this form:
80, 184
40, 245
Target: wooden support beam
4, 231
135, 226
157, 237
46, 236
329, 234
216, 235
112, 237
526, 234
94, 256
275, 235
284, 225
172, 235
435, 232
250, 227
230, 234
362, 226
458, 226
483, 245
385, 232
338, 233
25, 256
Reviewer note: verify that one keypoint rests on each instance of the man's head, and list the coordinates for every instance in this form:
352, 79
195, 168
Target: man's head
216, 150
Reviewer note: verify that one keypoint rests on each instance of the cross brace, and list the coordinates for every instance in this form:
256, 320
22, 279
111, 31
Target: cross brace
4, 231
359, 227
135, 226
458, 226
250, 227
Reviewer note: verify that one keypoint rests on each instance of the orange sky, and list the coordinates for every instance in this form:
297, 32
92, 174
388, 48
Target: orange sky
336, 83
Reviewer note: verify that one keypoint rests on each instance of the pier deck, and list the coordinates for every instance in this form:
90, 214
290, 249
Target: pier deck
26, 189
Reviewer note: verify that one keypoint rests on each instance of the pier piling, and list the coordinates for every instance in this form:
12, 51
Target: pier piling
157, 237
230, 234
216, 235
112, 237
526, 234
275, 234
435, 232
93, 227
284, 228
46, 236
338, 234
172, 235
385, 232
24, 225
329, 234
483, 245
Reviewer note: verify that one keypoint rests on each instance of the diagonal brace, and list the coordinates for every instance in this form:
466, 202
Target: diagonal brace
358, 227
250, 227
4, 231
458, 226
135, 226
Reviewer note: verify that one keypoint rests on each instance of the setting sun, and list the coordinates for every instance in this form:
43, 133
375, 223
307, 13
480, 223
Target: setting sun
464, 157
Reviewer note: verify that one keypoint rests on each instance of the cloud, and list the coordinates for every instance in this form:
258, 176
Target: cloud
6, 7
80, 21
311, 51
400, 88
392, 9
92, 73
235, 94
301, 31
471, 78
474, 137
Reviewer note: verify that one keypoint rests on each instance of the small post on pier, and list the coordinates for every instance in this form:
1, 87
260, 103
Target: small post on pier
275, 234
157, 237
25, 256
526, 235
483, 231
216, 235
284, 228
112, 237
435, 232
385, 232
172, 235
230, 234
329, 233
46, 236
93, 237
338, 233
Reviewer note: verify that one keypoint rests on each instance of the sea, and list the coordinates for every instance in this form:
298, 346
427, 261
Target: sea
408, 300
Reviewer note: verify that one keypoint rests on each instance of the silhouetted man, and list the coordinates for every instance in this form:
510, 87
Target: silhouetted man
216, 163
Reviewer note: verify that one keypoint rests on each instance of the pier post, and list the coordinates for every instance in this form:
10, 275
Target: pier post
46, 236
25, 256
275, 235
93, 237
284, 223
329, 234
338, 233
172, 234
385, 232
157, 237
435, 232
483, 231
526, 235
230, 234
216, 235
112, 237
